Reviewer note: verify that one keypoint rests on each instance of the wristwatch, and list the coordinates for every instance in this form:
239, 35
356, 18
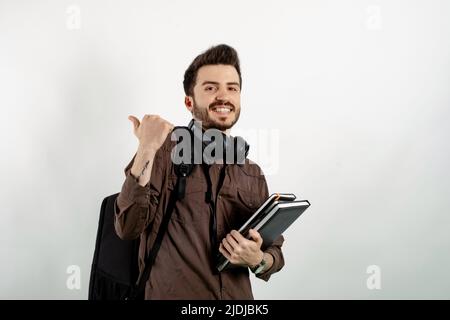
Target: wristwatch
259, 267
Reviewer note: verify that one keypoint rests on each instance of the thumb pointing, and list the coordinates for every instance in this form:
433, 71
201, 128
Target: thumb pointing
135, 121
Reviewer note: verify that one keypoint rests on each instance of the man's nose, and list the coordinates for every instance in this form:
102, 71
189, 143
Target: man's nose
222, 95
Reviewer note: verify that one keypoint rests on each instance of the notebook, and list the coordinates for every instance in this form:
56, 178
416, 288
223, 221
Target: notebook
271, 219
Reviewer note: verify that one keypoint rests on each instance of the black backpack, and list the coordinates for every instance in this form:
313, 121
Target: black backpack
115, 264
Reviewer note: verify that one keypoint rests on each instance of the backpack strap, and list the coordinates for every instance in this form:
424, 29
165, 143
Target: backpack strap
138, 290
182, 171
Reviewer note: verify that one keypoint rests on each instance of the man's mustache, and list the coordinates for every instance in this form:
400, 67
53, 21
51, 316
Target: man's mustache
221, 103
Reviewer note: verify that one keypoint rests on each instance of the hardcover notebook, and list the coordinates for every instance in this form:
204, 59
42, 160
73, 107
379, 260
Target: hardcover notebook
271, 219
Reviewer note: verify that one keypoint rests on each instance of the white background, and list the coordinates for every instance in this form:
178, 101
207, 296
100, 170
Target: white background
356, 91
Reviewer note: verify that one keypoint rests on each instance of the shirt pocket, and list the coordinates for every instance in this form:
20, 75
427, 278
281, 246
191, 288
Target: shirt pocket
247, 199
192, 208
244, 204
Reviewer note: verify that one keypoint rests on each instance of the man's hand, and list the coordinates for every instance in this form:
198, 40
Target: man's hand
241, 251
152, 131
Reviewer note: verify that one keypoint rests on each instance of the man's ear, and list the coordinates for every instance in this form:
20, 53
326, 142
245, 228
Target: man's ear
189, 103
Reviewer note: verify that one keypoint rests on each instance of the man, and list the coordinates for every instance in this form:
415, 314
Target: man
185, 266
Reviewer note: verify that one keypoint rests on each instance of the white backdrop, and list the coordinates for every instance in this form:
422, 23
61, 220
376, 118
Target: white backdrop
354, 93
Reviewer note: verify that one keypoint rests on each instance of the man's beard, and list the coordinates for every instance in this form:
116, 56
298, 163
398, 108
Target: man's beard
202, 115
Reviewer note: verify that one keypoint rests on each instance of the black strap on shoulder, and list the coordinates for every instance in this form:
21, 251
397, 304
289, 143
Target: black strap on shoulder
138, 291
182, 171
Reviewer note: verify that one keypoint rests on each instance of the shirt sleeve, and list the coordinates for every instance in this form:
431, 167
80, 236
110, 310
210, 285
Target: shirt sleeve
136, 205
274, 249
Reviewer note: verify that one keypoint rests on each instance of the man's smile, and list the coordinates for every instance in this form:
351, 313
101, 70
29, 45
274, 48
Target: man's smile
223, 110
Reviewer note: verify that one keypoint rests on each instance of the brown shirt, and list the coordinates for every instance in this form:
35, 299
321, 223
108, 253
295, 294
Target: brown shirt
183, 268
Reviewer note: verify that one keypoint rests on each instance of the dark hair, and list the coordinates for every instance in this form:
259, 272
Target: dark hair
220, 54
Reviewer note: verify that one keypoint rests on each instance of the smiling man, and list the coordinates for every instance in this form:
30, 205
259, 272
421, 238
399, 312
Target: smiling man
219, 197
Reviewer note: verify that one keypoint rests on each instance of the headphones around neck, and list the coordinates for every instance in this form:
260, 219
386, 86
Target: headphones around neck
211, 145
231, 149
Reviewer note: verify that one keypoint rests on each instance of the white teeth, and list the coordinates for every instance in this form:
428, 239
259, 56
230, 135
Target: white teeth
222, 110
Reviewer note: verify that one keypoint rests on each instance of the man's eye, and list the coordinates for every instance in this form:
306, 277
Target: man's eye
233, 89
209, 88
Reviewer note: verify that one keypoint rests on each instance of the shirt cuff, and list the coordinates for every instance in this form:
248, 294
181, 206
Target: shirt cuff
278, 263
133, 192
